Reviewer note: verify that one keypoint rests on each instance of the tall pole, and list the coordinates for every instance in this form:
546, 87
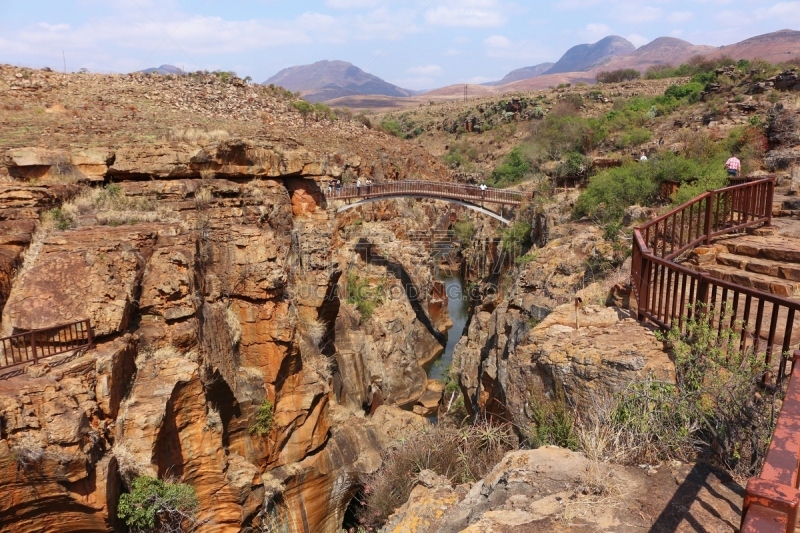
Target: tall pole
64, 56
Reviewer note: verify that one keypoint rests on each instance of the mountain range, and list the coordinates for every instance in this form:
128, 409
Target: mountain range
344, 84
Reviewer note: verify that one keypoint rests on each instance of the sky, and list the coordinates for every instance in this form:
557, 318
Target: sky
417, 44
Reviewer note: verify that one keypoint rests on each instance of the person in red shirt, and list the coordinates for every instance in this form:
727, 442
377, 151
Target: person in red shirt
733, 166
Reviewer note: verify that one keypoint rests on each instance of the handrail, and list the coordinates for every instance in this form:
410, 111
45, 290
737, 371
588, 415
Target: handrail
771, 500
39, 344
429, 189
667, 292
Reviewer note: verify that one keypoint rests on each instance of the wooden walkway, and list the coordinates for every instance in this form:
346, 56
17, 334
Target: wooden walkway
668, 293
430, 189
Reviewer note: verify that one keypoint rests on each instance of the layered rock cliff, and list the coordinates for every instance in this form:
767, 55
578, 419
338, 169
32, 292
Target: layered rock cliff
215, 280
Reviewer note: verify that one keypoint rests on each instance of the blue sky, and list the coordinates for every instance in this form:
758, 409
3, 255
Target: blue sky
417, 44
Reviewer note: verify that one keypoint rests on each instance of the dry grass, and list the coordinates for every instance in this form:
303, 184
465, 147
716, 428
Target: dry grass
459, 454
129, 466
195, 135
234, 327
27, 451
110, 206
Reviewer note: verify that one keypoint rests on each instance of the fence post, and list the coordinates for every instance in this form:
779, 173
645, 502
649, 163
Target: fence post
701, 302
709, 207
770, 196
33, 347
644, 287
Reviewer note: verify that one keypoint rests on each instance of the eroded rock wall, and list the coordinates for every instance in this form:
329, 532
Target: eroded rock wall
228, 296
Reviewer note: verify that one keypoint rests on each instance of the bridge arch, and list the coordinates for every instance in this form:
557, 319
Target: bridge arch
468, 205
470, 196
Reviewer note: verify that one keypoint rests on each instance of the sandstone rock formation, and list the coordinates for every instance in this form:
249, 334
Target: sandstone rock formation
523, 341
552, 489
212, 274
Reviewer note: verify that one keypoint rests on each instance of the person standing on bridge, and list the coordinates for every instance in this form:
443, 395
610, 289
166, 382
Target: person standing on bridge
369, 186
483, 190
358, 186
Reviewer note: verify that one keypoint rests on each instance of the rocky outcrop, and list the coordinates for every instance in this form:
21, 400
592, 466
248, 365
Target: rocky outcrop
552, 489
523, 341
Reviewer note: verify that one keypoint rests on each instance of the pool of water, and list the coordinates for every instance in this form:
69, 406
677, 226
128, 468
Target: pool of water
458, 308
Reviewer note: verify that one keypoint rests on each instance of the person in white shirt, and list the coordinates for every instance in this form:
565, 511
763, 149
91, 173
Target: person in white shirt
358, 186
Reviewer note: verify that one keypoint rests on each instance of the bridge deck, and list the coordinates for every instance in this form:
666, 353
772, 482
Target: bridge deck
430, 189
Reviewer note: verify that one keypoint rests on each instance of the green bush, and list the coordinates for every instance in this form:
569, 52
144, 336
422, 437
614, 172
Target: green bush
516, 236
553, 423
265, 414
615, 76
62, 219
611, 192
392, 127
157, 506
464, 231
304, 108
364, 297
513, 170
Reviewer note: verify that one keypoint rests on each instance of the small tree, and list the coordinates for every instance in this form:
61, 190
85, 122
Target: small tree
304, 108
159, 506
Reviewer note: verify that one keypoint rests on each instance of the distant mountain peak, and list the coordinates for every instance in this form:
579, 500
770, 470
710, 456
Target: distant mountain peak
523, 73
164, 70
585, 57
329, 79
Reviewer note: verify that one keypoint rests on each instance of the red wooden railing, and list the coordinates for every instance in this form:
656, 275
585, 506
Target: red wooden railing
430, 189
668, 294
43, 343
771, 500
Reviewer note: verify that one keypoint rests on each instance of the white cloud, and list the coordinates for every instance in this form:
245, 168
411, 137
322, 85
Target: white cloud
680, 16
595, 32
427, 70
350, 4
450, 52
787, 13
467, 13
638, 40
497, 41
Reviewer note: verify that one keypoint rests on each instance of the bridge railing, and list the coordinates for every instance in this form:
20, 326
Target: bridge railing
771, 500
471, 193
43, 343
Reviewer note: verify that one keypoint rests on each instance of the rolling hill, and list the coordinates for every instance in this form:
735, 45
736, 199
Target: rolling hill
328, 80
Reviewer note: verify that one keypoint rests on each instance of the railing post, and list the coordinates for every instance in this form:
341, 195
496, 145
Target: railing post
701, 302
644, 287
709, 207
33, 347
770, 196
89, 335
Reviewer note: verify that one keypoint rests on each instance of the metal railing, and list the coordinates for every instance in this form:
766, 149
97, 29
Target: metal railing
43, 343
669, 294
429, 189
771, 500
